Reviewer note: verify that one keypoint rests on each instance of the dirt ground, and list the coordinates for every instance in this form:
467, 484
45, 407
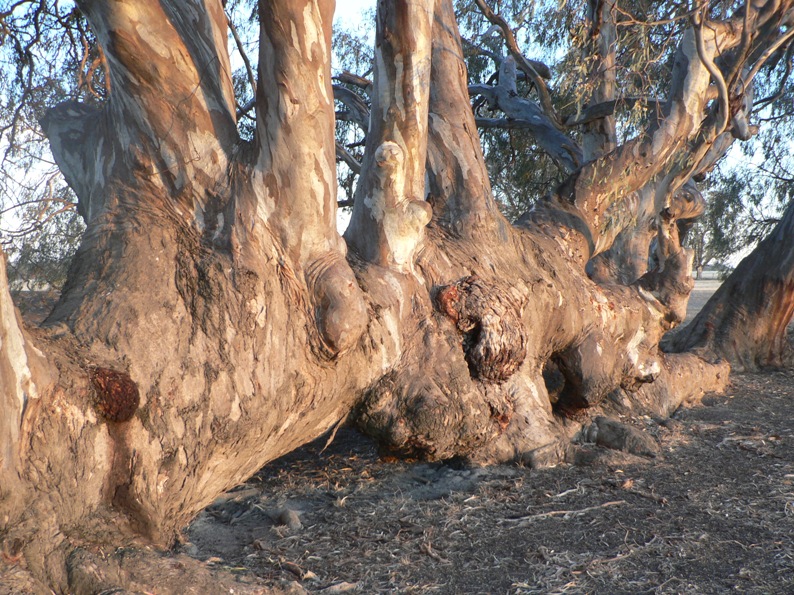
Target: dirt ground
701, 293
712, 513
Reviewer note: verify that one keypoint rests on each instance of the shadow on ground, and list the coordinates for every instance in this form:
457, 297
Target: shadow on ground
713, 513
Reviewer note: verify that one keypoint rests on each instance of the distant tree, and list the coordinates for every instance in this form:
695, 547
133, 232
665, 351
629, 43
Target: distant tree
48, 53
723, 229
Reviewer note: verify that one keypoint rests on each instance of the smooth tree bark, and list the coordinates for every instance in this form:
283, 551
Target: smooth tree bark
214, 319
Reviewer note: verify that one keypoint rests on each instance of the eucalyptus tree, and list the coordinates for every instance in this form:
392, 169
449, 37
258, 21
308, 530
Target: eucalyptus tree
746, 321
214, 319
607, 86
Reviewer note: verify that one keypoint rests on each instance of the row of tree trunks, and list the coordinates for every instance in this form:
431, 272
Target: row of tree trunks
192, 341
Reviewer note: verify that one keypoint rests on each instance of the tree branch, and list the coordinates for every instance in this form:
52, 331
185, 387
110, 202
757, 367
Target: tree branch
24, 375
523, 62
302, 137
297, 157
542, 69
82, 152
600, 135
768, 53
564, 151
349, 78
604, 109
778, 93
348, 158
357, 109
171, 85
390, 212
459, 186
243, 54
716, 75
600, 199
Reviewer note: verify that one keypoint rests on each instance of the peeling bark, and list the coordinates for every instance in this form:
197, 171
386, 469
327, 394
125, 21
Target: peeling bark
24, 377
390, 212
600, 136
213, 319
295, 132
460, 190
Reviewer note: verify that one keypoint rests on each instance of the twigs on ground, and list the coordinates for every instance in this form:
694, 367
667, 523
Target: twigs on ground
525, 521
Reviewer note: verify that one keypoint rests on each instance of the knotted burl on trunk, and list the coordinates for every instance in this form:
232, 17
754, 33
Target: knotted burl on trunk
489, 318
442, 401
115, 395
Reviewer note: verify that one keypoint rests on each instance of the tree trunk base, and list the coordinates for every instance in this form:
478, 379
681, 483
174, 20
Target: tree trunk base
143, 571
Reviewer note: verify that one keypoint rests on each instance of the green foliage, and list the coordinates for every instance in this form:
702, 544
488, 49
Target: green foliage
41, 249
47, 55
746, 197
718, 233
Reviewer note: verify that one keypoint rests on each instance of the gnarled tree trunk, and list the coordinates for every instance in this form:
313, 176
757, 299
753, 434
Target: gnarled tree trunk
213, 319
745, 321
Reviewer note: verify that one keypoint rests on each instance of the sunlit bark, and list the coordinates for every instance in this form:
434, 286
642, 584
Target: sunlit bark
214, 319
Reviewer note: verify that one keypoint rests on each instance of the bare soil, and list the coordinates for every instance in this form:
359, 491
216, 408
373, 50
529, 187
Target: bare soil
712, 513
703, 290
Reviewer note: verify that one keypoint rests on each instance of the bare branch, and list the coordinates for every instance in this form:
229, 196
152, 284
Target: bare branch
457, 175
357, 109
608, 108
347, 157
783, 80
563, 150
630, 20
600, 134
295, 133
245, 109
542, 69
240, 48
716, 75
76, 133
353, 79
523, 62
769, 52
24, 375
481, 51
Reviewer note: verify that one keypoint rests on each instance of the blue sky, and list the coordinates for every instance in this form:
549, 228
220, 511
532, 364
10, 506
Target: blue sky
350, 11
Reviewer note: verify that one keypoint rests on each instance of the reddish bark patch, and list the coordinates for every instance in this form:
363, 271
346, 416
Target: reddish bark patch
116, 396
447, 301
489, 318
